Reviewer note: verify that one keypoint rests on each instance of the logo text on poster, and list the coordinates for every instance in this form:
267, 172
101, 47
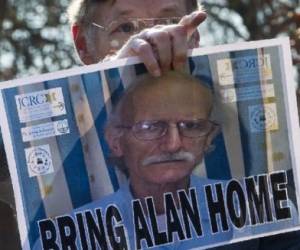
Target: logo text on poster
40, 104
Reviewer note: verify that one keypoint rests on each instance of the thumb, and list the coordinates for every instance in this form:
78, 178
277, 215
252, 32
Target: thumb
192, 21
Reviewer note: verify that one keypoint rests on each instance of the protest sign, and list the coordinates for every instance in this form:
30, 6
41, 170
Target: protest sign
68, 192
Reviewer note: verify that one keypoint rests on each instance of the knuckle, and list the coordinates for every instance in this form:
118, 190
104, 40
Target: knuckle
158, 36
180, 30
145, 32
133, 41
163, 35
143, 48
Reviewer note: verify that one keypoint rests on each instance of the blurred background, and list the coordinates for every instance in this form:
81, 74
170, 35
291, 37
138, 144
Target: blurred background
35, 38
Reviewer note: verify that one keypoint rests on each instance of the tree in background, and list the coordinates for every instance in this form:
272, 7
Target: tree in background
35, 36
248, 20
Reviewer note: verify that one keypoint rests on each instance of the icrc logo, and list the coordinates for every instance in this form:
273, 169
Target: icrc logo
36, 99
40, 104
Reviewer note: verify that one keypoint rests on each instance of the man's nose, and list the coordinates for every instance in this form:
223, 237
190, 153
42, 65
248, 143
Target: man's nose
172, 140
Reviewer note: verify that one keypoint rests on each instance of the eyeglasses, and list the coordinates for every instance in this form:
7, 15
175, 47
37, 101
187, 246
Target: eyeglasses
120, 31
131, 25
151, 130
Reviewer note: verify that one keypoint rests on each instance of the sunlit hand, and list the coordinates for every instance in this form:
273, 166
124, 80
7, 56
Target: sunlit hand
164, 47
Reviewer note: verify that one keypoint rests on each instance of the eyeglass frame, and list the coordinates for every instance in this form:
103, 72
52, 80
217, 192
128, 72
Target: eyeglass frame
167, 124
148, 22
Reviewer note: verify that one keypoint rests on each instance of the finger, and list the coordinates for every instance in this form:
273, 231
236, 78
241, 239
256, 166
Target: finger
145, 52
194, 41
179, 46
192, 21
161, 44
137, 46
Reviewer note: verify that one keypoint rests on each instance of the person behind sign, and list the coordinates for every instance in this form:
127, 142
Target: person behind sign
159, 32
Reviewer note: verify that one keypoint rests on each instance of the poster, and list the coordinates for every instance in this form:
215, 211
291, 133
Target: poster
68, 192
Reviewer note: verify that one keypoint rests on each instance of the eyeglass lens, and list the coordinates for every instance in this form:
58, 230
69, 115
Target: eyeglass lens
150, 130
120, 31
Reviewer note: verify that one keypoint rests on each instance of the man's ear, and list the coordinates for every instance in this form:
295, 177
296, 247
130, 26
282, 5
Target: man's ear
211, 136
113, 138
80, 43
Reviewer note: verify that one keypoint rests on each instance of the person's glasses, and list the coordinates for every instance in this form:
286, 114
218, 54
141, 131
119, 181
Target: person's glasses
151, 130
131, 26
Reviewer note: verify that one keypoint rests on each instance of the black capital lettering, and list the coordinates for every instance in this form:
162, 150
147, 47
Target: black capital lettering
48, 234
159, 237
96, 229
173, 222
118, 239
259, 202
190, 212
238, 219
216, 207
83, 239
67, 232
140, 225
279, 189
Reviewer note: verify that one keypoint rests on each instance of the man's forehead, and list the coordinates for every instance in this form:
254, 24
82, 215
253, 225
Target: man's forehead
174, 96
145, 8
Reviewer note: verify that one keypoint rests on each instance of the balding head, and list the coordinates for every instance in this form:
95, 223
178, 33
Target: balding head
172, 95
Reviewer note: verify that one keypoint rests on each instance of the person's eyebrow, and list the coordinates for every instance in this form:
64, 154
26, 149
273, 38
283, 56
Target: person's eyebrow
121, 13
125, 11
171, 9
165, 11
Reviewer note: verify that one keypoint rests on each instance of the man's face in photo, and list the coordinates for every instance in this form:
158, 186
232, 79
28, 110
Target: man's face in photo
177, 104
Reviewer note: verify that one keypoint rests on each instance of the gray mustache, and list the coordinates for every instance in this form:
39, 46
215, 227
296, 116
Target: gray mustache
178, 156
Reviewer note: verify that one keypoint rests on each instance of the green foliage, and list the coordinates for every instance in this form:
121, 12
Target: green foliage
34, 38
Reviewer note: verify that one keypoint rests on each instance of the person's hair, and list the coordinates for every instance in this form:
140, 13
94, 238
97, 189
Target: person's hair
81, 11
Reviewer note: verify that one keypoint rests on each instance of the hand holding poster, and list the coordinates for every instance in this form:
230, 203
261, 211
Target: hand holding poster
108, 157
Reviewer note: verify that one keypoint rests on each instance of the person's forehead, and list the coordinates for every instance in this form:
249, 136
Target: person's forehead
136, 8
171, 100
